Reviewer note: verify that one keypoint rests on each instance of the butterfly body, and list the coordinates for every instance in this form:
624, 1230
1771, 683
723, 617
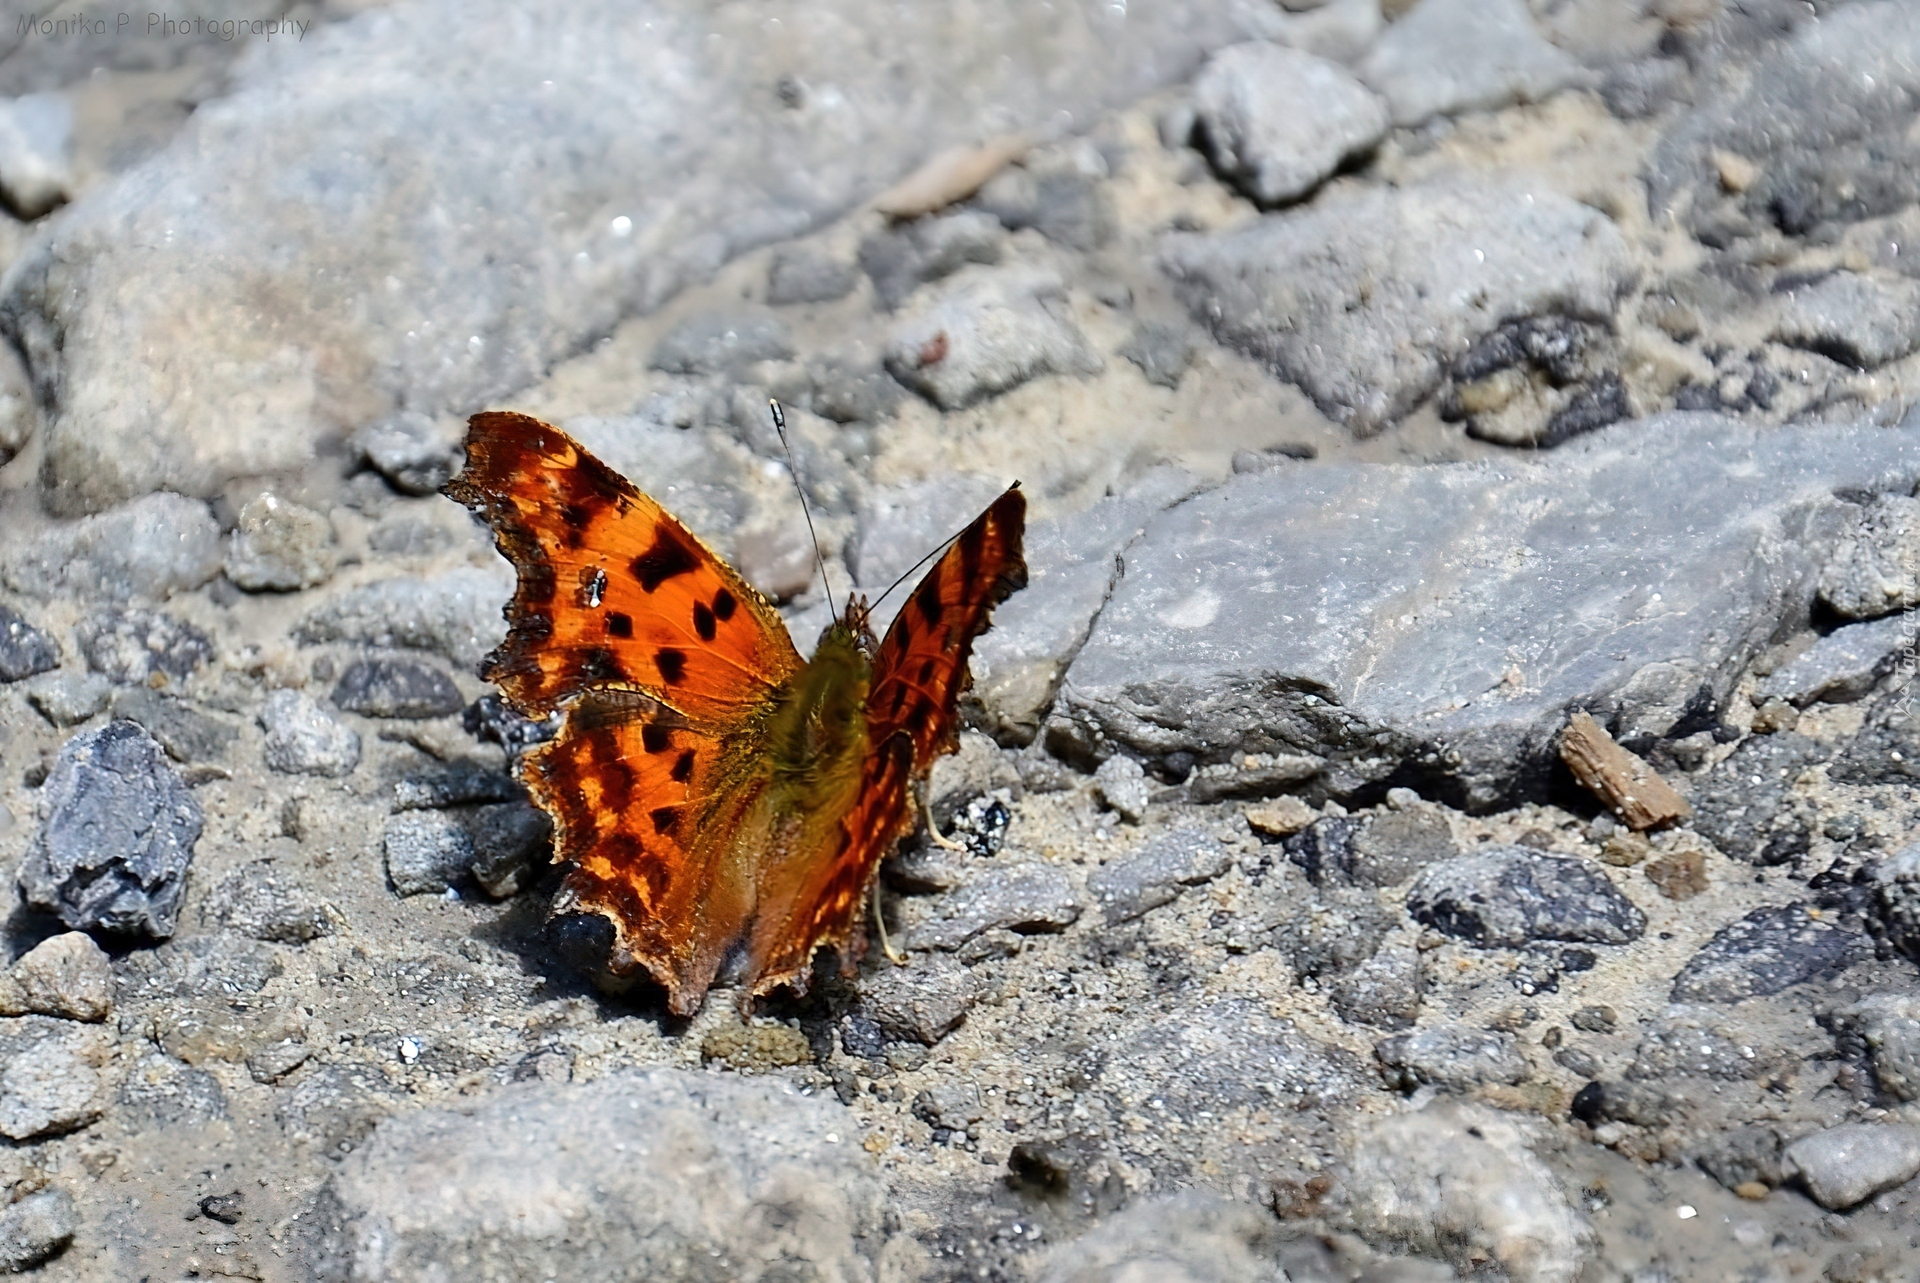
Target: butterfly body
716, 797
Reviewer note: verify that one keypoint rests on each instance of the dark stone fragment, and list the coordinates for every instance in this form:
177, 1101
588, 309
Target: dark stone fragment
1512, 895
1577, 1061
24, 649
1396, 845
1040, 1167
1619, 1102
1324, 849
224, 1208
456, 784
1553, 344
1162, 352
112, 854
583, 939
184, 731
390, 687
130, 645
1765, 952
861, 1035
1741, 803
1887, 749
489, 718
1597, 1019
1602, 402
1741, 1156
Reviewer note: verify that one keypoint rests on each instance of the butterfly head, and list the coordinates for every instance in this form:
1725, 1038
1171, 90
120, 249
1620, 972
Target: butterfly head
857, 622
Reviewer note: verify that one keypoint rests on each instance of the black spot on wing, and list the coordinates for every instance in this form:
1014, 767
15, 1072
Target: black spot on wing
723, 604
655, 738
927, 597
671, 663
703, 621
926, 672
619, 624
670, 555
682, 767
664, 818
598, 664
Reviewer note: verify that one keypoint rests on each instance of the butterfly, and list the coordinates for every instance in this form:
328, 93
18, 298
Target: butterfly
718, 799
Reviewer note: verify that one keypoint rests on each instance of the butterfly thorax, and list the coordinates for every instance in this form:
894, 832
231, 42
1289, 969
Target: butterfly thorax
818, 736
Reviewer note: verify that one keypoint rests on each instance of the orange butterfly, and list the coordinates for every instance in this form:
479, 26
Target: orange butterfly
711, 790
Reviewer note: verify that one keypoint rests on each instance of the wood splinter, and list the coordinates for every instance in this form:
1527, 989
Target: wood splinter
1617, 777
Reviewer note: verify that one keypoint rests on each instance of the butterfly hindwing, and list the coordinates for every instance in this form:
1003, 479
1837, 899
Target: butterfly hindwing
613, 592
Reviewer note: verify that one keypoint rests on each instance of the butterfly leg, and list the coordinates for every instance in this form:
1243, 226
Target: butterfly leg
933, 830
894, 955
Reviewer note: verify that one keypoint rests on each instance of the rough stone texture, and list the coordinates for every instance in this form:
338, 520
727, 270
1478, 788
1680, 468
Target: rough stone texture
67, 975
724, 343
1896, 885
1121, 783
1450, 56
1414, 619
159, 1091
1460, 1183
1189, 1238
803, 275
166, 368
257, 902
1876, 567
1057, 192
304, 739
1508, 896
333, 1108
1384, 991
1330, 930
1450, 1056
924, 1001
51, 1078
1845, 664
131, 645
1719, 1048
1857, 320
901, 259
1365, 298
1822, 119
36, 153
279, 546
511, 842
1156, 872
456, 613
1278, 121
1765, 952
1890, 1025
36, 1229
1743, 805
1024, 897
390, 687
427, 851
1849, 1164
1887, 749
1393, 846
415, 452
656, 1170
149, 549
187, 734
24, 649
120, 828
993, 329
69, 698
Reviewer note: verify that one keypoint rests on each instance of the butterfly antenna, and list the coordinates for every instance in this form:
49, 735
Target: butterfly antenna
938, 548
793, 470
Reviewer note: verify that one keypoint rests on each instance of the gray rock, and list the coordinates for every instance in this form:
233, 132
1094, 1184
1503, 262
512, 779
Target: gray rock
212, 963
851, 394
415, 452
1024, 897
1889, 1023
1072, 564
276, 1060
457, 614
1122, 784
1744, 805
1822, 116
1242, 625
427, 851
994, 329
1188, 1238
149, 549
1393, 846
159, 1091
279, 546
1857, 320
1278, 122
1330, 930
1365, 297
333, 1108
781, 1180
975, 769
952, 1105
389, 687
1849, 1164
901, 259
36, 153
1444, 57
1156, 871
38, 1227
235, 346
304, 739
1765, 952
512, 841
131, 645
1742, 1154
1058, 192
1711, 1047
1629, 1102
1887, 749
1452, 1056
51, 1079
724, 343
69, 698
187, 734
1163, 352
119, 832
1896, 886
1461, 1183
1384, 991
257, 902
1512, 895
1876, 567
802, 274
455, 784
1845, 664
24, 649
67, 975
924, 1001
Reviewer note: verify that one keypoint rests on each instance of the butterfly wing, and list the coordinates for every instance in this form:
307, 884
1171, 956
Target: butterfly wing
918, 675
670, 667
613, 592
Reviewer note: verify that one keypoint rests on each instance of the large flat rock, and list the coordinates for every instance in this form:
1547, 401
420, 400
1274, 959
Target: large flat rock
423, 207
1434, 625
